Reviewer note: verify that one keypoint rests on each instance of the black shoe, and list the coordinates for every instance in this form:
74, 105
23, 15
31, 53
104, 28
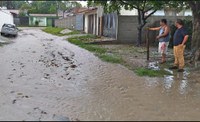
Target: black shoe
180, 70
174, 67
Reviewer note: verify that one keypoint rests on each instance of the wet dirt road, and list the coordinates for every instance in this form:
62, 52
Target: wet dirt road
43, 77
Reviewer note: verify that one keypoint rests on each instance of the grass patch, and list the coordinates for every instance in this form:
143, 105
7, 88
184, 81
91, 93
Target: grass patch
54, 31
151, 73
111, 58
82, 41
73, 32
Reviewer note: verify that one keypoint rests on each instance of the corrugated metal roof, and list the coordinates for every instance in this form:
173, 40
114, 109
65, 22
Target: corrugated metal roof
88, 10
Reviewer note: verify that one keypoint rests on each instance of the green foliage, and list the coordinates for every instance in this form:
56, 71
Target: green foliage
16, 4
22, 14
37, 23
116, 5
51, 7
43, 7
151, 73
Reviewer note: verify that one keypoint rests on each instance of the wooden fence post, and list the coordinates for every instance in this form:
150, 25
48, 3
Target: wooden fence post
147, 43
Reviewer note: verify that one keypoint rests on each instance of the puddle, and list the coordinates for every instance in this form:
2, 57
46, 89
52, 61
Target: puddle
56, 87
183, 80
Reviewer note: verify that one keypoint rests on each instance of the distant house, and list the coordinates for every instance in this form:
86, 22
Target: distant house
70, 12
93, 20
42, 19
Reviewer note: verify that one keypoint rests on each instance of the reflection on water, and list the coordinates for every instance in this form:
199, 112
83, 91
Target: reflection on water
175, 82
168, 81
153, 65
183, 86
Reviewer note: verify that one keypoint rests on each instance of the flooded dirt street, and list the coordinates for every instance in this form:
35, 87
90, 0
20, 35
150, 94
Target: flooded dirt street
43, 77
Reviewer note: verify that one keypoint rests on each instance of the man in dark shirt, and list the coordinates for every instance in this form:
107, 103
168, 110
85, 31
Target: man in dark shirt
179, 41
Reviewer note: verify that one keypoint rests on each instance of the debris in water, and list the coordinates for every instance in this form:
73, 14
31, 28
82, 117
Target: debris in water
12, 92
14, 101
73, 66
19, 93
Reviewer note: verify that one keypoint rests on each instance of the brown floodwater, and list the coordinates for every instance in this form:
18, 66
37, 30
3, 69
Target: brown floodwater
44, 77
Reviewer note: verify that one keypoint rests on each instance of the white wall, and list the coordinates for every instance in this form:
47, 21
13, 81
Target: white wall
86, 24
5, 18
128, 12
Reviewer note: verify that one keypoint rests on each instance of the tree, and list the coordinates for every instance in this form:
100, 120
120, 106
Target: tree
195, 5
13, 4
142, 6
68, 5
24, 9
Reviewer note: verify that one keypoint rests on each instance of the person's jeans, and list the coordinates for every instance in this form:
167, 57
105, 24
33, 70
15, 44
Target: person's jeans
179, 56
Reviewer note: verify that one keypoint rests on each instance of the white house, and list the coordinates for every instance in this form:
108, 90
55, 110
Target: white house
5, 17
93, 20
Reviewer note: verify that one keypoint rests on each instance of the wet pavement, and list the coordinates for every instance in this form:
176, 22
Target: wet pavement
43, 77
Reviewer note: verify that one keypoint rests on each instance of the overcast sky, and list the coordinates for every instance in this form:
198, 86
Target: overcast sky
84, 3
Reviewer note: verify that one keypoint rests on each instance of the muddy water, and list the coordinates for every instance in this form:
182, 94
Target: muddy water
43, 77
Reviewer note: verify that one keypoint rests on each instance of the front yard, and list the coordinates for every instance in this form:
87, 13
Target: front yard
134, 58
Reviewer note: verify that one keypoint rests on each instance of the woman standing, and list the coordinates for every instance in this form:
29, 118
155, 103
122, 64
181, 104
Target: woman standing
163, 38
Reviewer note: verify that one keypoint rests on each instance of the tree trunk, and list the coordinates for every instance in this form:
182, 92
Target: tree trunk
196, 37
139, 35
141, 24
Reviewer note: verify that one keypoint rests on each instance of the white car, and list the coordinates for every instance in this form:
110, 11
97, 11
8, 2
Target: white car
9, 29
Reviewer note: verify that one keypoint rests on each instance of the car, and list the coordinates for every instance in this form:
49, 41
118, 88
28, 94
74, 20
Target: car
9, 29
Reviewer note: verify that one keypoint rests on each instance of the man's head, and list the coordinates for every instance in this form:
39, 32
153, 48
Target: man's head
179, 23
163, 22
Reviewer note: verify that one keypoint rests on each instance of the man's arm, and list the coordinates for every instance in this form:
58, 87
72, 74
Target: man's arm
156, 28
185, 39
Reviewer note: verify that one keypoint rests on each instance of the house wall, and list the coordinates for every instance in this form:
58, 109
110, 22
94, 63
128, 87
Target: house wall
127, 27
69, 22
5, 17
94, 21
86, 24
21, 21
42, 21
79, 22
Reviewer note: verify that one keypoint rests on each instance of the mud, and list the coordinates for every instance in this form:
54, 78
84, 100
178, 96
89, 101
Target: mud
43, 77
